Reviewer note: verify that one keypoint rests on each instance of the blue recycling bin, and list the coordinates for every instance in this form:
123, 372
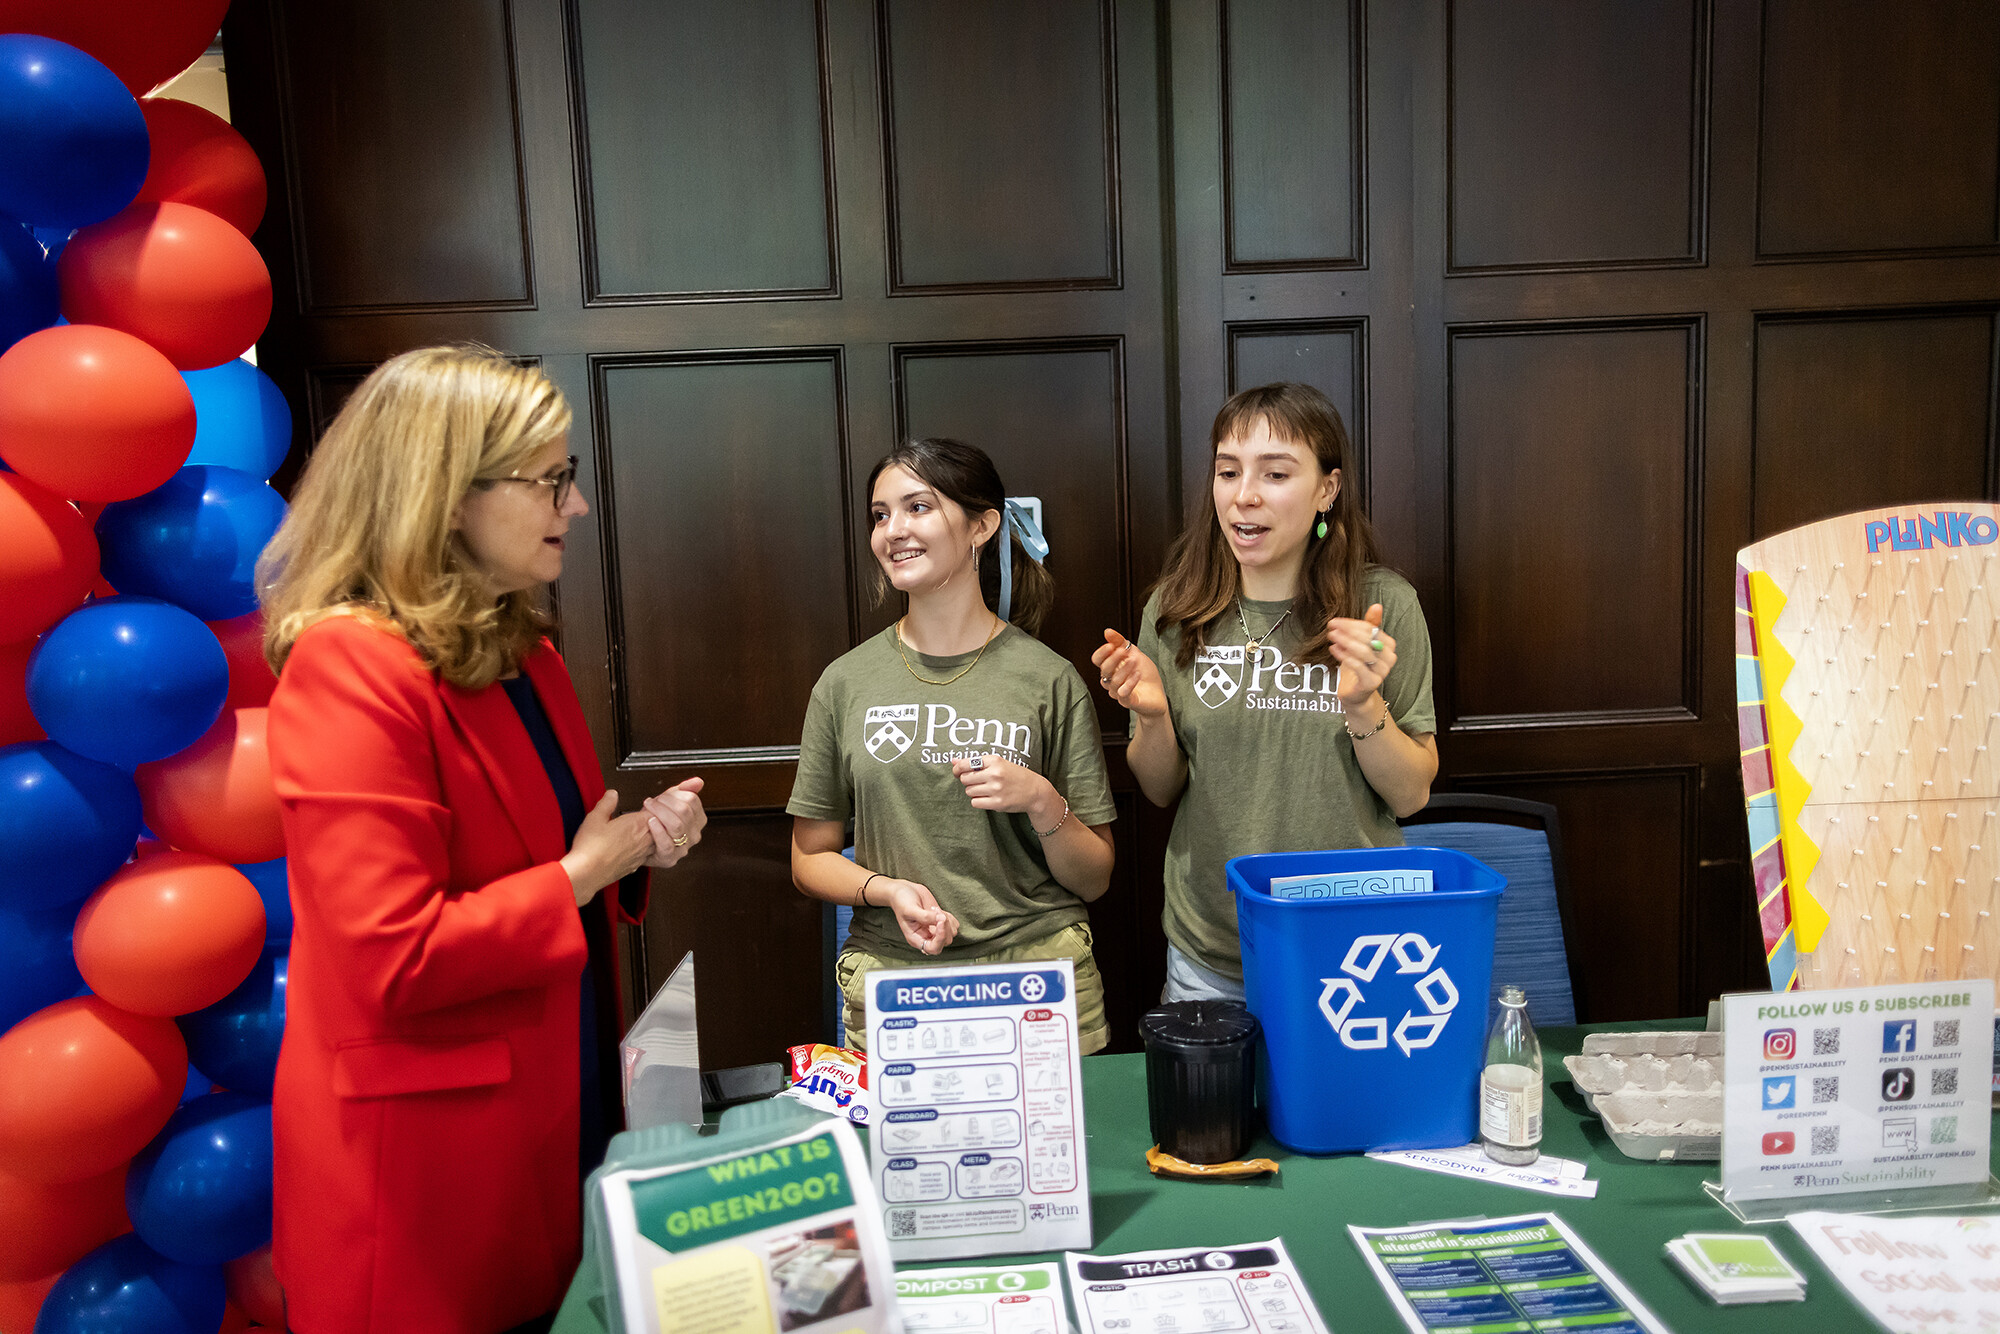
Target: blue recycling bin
1373, 1007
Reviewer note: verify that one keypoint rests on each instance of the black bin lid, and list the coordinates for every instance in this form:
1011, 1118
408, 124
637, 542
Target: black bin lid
1199, 1023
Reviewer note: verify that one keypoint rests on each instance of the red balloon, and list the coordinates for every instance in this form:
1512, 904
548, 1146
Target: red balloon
93, 414
170, 934
215, 797
175, 275
17, 721
233, 1320
251, 679
48, 559
83, 1086
145, 42
47, 1227
253, 1286
199, 159
21, 1302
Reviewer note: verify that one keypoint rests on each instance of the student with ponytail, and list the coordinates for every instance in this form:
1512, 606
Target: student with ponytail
964, 751
1280, 687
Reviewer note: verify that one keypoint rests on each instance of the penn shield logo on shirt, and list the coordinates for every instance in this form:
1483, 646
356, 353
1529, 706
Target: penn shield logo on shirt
888, 731
1218, 674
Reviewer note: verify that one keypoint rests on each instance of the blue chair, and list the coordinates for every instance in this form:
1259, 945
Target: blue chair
1522, 841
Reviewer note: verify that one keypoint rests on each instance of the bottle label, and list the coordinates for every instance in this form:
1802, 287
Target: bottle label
1510, 1107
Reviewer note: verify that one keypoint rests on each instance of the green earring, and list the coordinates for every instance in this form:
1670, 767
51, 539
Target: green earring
1321, 530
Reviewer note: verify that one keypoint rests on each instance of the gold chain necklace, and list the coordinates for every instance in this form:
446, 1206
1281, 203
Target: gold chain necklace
1253, 643
997, 626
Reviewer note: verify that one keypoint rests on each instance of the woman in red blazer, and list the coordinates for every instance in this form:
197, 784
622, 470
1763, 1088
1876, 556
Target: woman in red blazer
449, 834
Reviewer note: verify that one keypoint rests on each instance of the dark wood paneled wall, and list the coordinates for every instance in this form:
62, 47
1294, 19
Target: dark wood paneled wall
1605, 289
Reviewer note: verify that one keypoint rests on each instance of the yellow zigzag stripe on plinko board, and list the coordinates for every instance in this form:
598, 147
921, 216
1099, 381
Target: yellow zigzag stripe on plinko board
1809, 919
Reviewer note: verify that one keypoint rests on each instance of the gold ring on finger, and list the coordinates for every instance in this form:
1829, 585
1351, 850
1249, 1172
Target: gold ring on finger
680, 840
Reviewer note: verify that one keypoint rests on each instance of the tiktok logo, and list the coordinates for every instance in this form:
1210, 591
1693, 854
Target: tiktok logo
1899, 1084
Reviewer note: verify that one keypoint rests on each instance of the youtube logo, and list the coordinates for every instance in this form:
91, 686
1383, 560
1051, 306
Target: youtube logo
1778, 1142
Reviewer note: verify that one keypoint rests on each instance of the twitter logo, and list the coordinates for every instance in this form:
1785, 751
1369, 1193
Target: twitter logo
1780, 1091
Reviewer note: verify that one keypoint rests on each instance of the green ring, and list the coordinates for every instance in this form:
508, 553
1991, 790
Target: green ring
1375, 644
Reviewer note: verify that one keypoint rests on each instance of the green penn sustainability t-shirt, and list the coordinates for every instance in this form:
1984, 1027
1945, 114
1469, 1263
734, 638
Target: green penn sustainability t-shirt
878, 747
1270, 765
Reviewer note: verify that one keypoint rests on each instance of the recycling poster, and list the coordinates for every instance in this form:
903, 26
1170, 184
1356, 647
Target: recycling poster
978, 1148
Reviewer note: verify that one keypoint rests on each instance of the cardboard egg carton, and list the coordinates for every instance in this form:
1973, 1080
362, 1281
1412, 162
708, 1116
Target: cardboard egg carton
1659, 1094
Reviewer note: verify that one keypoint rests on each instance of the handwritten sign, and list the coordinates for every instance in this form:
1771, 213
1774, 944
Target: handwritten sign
1915, 1275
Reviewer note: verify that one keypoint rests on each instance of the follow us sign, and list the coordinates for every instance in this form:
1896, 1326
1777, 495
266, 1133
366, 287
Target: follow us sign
1869, 1089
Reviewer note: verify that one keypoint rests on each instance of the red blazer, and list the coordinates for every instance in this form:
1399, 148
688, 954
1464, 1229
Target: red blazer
425, 1113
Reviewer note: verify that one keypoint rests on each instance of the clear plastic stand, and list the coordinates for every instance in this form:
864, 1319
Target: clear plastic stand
662, 1057
1915, 1200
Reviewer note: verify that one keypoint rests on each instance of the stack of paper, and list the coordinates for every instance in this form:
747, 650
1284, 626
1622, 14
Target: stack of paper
1736, 1267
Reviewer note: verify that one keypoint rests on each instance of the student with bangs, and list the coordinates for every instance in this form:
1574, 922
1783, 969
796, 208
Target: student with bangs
1280, 685
965, 752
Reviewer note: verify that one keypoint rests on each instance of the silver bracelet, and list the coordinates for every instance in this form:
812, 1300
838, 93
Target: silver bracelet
1058, 825
1353, 735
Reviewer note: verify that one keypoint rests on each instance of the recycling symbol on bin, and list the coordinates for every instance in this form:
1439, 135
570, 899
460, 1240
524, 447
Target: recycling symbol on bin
1365, 957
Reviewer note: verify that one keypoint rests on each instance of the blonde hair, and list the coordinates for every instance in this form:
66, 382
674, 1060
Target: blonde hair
370, 529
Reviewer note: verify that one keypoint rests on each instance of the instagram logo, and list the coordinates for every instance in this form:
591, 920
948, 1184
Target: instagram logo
1780, 1044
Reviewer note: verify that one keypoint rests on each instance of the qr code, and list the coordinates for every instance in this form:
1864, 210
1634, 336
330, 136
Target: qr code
902, 1222
1944, 1130
1826, 1088
1826, 1042
1944, 1082
1944, 1032
1826, 1139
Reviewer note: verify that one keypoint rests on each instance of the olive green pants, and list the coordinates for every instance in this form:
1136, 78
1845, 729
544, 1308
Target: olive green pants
1072, 942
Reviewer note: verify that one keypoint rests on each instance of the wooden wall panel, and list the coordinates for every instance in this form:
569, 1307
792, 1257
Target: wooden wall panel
1881, 126
1576, 132
756, 940
1855, 412
1572, 452
1329, 355
697, 179
1293, 149
726, 541
1002, 145
1052, 418
1629, 838
389, 213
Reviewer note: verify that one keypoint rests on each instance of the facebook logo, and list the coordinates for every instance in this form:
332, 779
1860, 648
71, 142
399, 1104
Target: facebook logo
1899, 1037
1780, 1091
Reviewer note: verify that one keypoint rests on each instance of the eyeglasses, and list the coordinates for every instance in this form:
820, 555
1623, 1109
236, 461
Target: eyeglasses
562, 482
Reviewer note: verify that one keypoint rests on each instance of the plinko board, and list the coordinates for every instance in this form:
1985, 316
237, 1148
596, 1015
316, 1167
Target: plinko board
1867, 695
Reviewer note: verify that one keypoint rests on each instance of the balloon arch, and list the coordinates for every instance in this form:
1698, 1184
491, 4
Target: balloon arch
144, 920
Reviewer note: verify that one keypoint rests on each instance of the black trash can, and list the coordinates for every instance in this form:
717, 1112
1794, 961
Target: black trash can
1201, 1076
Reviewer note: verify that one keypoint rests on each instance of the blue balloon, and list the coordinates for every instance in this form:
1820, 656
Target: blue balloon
241, 420
37, 967
77, 147
66, 823
235, 1041
28, 296
200, 1193
193, 541
128, 679
274, 887
124, 1287
198, 1085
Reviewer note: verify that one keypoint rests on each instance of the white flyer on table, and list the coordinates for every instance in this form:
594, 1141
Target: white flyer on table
1005, 1299
978, 1148
1872, 1088
1915, 1275
1252, 1288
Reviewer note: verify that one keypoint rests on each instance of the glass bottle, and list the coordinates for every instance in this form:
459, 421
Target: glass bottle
1510, 1085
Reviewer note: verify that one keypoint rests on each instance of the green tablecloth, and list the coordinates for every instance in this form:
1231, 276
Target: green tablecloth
1312, 1200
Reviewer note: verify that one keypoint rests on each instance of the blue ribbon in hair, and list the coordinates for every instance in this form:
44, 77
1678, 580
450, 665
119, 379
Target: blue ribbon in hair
1021, 525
